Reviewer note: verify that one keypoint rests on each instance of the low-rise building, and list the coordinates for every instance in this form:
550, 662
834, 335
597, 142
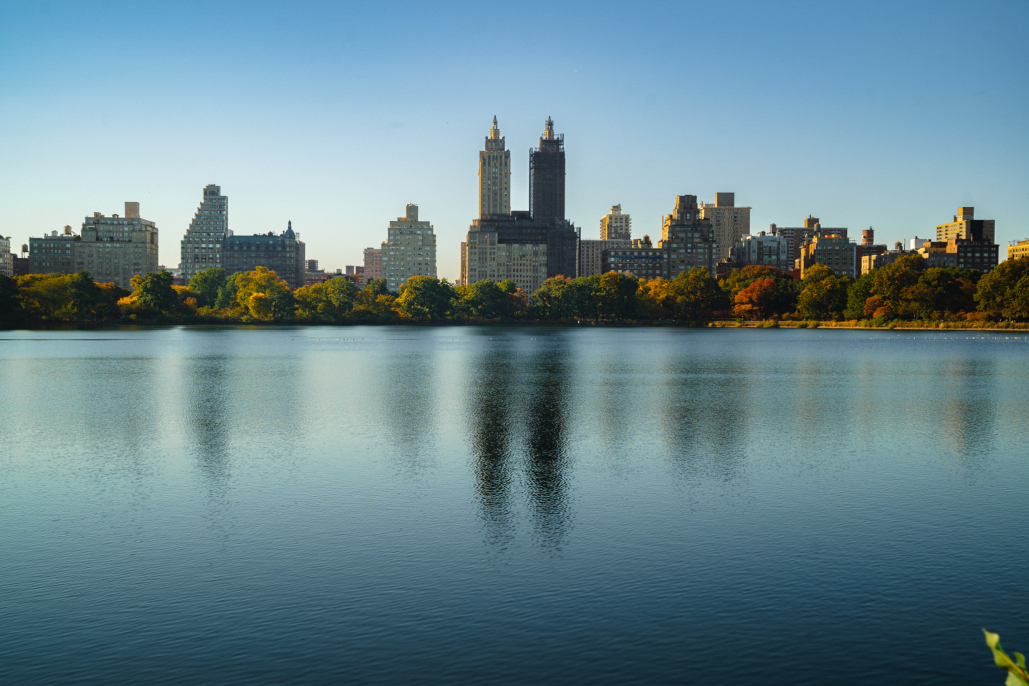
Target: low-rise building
283, 254
762, 248
410, 250
835, 252
639, 258
1018, 249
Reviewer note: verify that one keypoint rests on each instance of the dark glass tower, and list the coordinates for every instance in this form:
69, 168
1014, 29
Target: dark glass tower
547, 177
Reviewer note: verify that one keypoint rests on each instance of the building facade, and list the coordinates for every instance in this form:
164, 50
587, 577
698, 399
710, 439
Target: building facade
591, 254
639, 258
372, 263
615, 226
730, 223
203, 244
114, 249
283, 254
53, 254
6, 257
494, 175
835, 252
966, 226
764, 249
795, 235
547, 176
410, 250
1018, 249
687, 239
867, 248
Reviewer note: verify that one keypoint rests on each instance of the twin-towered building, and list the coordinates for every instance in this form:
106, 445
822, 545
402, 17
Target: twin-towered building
526, 247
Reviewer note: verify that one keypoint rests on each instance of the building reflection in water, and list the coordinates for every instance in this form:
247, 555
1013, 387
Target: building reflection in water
547, 468
206, 382
706, 416
967, 410
490, 415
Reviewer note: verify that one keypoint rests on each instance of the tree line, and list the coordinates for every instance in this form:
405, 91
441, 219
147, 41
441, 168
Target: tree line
904, 290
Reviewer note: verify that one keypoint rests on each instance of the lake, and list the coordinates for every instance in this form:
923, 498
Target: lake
512, 505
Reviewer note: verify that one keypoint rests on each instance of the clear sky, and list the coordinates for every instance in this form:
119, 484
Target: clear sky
335, 115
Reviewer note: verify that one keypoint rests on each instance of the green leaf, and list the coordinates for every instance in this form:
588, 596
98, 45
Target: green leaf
1021, 660
1016, 672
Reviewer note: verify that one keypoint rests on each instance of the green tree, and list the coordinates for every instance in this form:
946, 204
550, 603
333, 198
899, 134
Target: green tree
87, 299
617, 295
44, 295
207, 284
857, 297
154, 291
10, 304
426, 298
696, 294
486, 299
824, 298
1002, 292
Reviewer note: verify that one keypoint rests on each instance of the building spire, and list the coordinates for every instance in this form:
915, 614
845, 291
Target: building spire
494, 133
548, 134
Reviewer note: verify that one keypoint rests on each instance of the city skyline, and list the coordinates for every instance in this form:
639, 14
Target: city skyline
893, 126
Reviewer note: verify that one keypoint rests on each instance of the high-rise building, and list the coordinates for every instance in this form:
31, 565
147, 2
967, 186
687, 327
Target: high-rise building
591, 253
494, 175
730, 222
283, 254
6, 257
547, 176
615, 226
966, 226
687, 239
409, 251
53, 254
835, 252
202, 245
526, 247
114, 249
795, 235
372, 263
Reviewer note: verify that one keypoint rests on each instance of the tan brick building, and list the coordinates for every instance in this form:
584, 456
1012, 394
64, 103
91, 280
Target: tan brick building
730, 222
1018, 249
615, 225
409, 251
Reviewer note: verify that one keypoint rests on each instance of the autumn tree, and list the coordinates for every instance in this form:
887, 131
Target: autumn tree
786, 288
756, 301
696, 293
274, 300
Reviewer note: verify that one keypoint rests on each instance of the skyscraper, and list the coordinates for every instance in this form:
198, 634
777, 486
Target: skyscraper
731, 223
547, 176
615, 226
494, 175
409, 251
205, 237
525, 247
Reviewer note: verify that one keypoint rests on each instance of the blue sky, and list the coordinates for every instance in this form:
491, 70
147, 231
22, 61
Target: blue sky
335, 115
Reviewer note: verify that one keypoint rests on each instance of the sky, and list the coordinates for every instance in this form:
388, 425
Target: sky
335, 115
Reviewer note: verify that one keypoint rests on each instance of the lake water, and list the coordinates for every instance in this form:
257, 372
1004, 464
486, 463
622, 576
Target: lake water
462, 505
